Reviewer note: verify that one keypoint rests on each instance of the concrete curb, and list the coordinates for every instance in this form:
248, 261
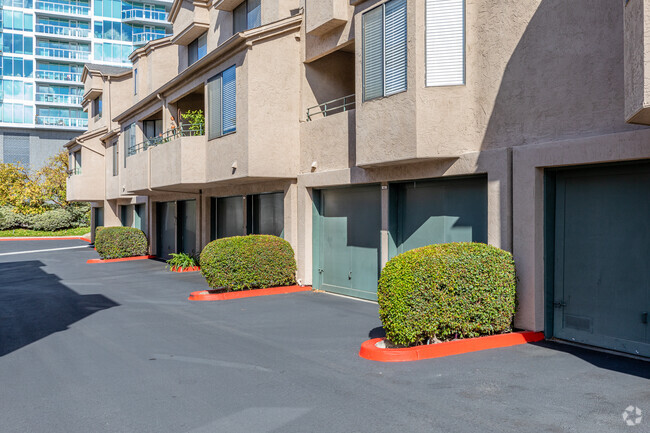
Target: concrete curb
369, 349
46, 238
125, 259
205, 295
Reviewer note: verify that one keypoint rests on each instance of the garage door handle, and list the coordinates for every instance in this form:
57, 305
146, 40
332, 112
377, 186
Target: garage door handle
644, 317
350, 275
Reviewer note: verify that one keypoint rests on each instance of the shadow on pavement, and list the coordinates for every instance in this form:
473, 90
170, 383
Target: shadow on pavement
607, 361
35, 304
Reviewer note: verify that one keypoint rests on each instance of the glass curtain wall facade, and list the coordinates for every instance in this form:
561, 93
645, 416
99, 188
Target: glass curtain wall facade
45, 44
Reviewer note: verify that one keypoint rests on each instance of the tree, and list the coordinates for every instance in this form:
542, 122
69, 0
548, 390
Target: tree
34, 193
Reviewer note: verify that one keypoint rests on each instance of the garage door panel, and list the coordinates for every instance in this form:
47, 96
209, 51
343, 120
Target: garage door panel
602, 282
350, 225
441, 211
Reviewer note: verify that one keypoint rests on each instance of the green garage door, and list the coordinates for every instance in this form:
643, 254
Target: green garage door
165, 229
601, 272
437, 211
347, 232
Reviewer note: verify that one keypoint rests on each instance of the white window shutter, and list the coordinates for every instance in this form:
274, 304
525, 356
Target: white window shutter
373, 54
214, 107
229, 123
445, 42
395, 48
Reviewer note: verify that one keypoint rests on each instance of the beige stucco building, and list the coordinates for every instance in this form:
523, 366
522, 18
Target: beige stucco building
360, 129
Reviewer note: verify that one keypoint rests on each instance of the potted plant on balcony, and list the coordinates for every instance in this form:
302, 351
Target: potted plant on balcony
195, 122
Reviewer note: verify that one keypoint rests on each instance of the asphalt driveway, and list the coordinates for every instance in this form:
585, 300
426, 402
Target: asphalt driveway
118, 348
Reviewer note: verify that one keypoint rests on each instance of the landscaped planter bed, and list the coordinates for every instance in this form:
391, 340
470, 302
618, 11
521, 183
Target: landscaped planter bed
216, 295
190, 269
370, 350
47, 238
125, 259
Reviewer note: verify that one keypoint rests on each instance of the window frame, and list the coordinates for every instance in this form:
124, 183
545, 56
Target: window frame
245, 6
97, 107
426, 48
383, 55
222, 132
116, 158
197, 45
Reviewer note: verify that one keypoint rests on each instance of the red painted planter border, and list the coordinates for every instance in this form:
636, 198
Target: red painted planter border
190, 269
370, 351
125, 259
46, 238
205, 295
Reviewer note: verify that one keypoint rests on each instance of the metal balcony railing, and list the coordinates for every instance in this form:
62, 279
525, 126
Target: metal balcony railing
62, 121
339, 105
143, 14
63, 8
50, 29
58, 99
58, 76
189, 130
144, 37
61, 53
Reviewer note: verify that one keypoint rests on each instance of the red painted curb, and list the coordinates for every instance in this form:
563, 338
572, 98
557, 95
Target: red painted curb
190, 269
205, 295
125, 259
47, 238
370, 351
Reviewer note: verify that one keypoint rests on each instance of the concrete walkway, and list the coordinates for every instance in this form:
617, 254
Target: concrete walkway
118, 348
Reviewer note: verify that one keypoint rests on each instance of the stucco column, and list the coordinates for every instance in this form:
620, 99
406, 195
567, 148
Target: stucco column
304, 225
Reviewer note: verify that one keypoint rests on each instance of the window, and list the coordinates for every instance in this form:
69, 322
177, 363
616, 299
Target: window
197, 49
77, 162
384, 50
247, 15
129, 141
135, 81
222, 104
445, 42
97, 107
116, 158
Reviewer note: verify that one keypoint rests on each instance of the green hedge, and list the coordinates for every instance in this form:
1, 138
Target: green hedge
120, 242
52, 220
75, 215
248, 262
10, 219
447, 291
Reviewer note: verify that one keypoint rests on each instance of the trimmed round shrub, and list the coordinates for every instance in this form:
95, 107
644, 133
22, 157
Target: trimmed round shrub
447, 291
248, 262
120, 242
52, 220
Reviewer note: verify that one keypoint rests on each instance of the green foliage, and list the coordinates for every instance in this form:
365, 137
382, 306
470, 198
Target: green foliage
447, 291
182, 261
10, 219
248, 262
79, 231
57, 219
34, 193
196, 120
120, 242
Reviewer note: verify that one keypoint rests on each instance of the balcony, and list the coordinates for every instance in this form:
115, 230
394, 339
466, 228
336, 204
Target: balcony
62, 8
54, 99
64, 77
87, 184
326, 15
144, 37
61, 53
328, 136
61, 31
329, 108
62, 122
191, 130
174, 159
143, 16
